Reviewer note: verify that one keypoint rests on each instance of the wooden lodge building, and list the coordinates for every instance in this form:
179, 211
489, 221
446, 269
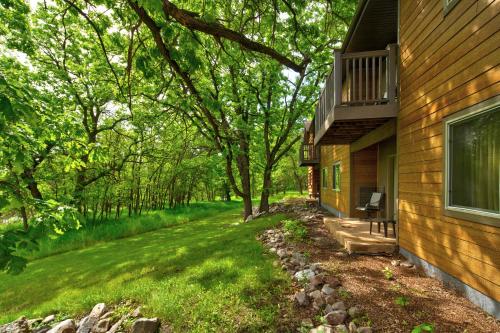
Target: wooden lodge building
412, 110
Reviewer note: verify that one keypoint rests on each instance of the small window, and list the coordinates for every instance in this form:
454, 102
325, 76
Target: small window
472, 186
336, 176
448, 5
324, 177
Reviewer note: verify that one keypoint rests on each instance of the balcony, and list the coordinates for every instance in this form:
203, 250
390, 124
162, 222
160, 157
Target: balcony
359, 96
308, 155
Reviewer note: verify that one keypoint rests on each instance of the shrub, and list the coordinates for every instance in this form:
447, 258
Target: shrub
295, 230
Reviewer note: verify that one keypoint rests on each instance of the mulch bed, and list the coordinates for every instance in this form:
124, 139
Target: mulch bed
429, 300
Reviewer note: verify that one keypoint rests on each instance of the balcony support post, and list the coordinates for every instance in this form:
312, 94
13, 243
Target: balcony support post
337, 76
392, 72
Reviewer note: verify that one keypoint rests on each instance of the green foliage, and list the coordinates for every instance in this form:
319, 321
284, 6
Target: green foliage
294, 230
402, 301
425, 327
95, 120
344, 293
388, 273
363, 320
12, 241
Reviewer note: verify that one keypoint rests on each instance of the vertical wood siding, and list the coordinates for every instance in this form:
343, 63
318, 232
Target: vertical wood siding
447, 63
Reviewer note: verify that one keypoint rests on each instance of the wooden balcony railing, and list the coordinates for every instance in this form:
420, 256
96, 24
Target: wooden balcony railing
309, 154
358, 79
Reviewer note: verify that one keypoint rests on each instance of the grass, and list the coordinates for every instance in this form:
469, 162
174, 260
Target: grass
127, 226
209, 275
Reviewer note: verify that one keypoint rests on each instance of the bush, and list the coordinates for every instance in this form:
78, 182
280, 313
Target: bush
294, 230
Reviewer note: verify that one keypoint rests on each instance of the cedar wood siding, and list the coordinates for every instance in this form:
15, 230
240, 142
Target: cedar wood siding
338, 200
447, 63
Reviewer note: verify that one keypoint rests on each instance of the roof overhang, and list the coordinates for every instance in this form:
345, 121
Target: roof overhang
374, 26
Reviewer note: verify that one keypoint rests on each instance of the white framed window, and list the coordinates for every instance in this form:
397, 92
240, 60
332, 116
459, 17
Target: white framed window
324, 177
448, 5
336, 176
472, 163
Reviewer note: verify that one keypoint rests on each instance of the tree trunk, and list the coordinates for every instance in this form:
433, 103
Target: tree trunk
266, 188
24, 215
32, 184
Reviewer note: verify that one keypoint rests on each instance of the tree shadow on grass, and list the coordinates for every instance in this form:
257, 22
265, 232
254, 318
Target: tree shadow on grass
205, 253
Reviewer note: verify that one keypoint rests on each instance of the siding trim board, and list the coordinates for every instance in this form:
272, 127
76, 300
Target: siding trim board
485, 302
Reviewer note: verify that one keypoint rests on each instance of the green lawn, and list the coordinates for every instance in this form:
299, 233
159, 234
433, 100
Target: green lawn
205, 275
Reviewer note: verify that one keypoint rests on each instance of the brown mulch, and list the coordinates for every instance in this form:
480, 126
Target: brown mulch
429, 300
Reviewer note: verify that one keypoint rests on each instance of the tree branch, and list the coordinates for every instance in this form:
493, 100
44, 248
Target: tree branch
190, 21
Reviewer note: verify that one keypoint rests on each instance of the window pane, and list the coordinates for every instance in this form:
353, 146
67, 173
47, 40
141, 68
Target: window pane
336, 177
474, 175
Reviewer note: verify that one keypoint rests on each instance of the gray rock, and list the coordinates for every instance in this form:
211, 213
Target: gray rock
334, 282
354, 312
336, 317
44, 329
20, 325
301, 298
48, 319
338, 306
328, 308
340, 329
315, 266
365, 330
300, 258
87, 324
330, 299
396, 262
146, 325
315, 294
108, 314
322, 329
136, 313
352, 327
98, 310
315, 282
35, 321
65, 326
102, 325
407, 264
281, 253
318, 303
327, 290
249, 218
305, 274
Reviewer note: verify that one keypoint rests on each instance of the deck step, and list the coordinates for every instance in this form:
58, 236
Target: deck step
355, 236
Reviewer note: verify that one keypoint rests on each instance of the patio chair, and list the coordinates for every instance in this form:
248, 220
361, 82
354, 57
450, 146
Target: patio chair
373, 206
